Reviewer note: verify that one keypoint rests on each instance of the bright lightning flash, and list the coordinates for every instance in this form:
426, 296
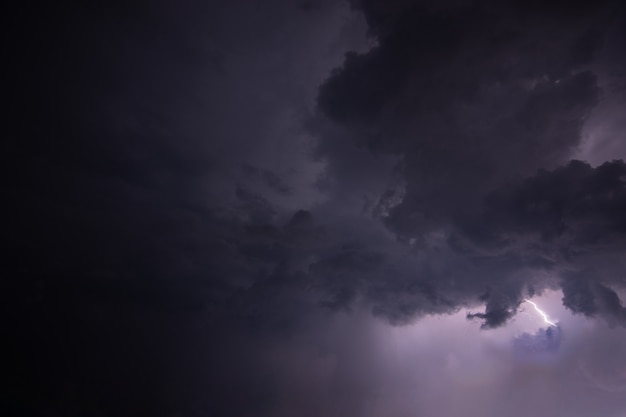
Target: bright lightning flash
544, 315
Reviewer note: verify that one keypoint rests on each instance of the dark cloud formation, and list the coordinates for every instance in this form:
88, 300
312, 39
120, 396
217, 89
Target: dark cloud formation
468, 88
576, 215
577, 200
202, 208
470, 102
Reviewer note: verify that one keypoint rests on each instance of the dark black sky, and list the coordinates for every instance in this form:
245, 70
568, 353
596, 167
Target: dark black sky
314, 208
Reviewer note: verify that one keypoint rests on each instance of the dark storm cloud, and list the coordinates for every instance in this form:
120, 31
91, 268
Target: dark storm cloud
560, 227
574, 216
592, 298
577, 200
469, 89
494, 317
471, 98
175, 229
466, 86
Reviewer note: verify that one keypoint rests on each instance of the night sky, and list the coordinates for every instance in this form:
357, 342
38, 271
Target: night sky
303, 208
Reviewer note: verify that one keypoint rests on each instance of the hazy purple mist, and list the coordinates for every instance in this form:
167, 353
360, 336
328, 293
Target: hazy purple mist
315, 208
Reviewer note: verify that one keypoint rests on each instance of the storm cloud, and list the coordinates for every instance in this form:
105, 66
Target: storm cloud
482, 124
270, 208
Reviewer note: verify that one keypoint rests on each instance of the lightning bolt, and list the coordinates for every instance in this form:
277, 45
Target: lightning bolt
544, 315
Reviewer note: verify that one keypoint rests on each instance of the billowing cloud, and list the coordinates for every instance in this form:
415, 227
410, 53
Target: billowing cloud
467, 101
